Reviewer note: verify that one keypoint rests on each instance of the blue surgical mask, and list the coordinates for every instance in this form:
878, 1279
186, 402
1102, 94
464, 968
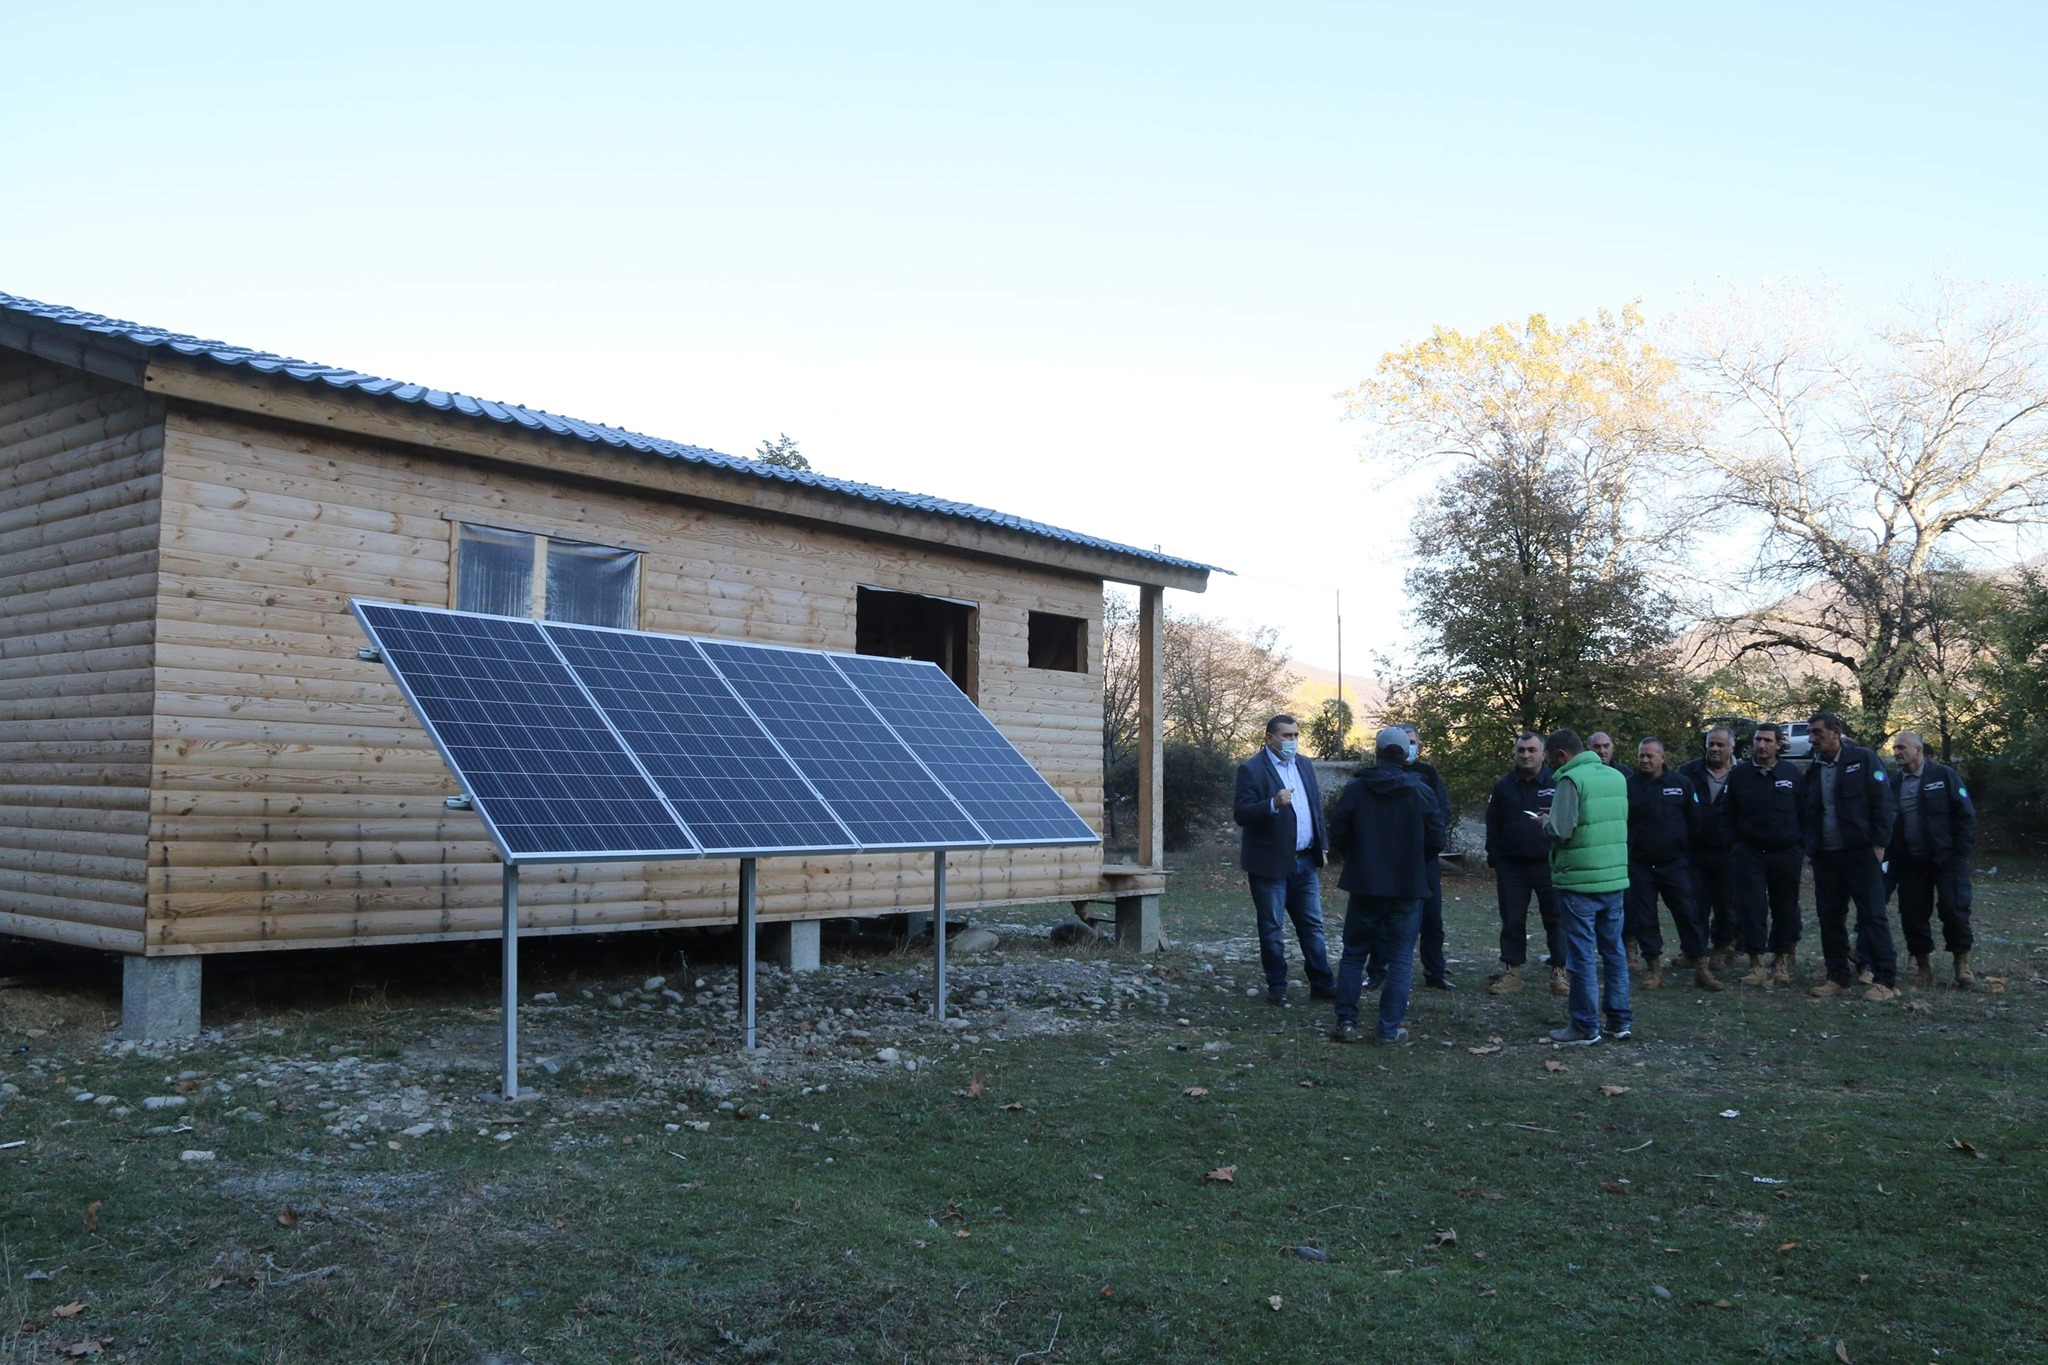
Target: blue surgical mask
1288, 747
1413, 750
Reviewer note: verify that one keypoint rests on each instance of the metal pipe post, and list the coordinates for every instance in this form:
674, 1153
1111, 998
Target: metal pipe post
747, 949
939, 930
511, 975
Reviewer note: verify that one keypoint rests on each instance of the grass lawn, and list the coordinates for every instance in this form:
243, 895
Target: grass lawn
1759, 1176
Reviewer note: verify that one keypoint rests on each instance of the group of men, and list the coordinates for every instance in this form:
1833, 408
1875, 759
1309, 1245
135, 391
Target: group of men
1721, 843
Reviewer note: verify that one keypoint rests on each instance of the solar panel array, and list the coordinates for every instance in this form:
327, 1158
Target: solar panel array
578, 743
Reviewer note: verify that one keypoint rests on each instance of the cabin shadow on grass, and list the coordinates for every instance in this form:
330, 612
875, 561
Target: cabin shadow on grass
1762, 1176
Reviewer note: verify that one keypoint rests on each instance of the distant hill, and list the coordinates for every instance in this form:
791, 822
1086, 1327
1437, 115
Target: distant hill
1318, 685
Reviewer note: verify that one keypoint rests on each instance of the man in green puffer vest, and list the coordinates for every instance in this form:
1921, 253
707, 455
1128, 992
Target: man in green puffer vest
1587, 826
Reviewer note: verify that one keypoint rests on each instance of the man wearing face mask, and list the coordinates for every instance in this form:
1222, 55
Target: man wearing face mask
1520, 858
1280, 808
1431, 942
1713, 843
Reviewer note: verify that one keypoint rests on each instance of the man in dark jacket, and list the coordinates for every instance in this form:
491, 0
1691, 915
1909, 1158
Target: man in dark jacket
1388, 829
1435, 971
1764, 818
1663, 813
1713, 844
1520, 858
1847, 811
1280, 807
1930, 858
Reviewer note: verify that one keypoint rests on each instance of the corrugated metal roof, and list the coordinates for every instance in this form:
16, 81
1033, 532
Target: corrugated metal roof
533, 419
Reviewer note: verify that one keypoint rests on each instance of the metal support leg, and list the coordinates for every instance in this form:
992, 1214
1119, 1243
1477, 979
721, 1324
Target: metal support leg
511, 975
747, 949
939, 932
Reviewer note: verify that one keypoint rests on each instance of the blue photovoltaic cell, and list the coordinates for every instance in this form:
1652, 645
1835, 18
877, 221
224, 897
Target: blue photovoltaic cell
878, 788
995, 784
543, 768
732, 787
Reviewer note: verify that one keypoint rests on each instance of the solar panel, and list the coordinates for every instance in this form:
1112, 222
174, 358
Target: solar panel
994, 783
546, 773
877, 786
736, 791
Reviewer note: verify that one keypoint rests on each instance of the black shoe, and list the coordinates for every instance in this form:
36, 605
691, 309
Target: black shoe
1278, 1002
1440, 983
1322, 995
1400, 1038
1621, 1035
1344, 1033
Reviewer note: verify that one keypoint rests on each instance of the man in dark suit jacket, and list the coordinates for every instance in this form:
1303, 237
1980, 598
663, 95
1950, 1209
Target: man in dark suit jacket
1280, 808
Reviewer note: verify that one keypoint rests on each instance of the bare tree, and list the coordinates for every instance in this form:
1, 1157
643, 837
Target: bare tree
1870, 465
1119, 677
1221, 687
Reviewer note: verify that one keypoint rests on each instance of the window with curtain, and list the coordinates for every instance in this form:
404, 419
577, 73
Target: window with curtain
518, 573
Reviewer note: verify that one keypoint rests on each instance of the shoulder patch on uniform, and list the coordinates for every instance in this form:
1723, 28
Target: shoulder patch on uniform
1878, 773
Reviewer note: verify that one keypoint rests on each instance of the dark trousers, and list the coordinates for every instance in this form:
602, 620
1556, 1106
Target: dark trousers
1382, 928
1713, 897
1429, 939
1767, 897
1851, 874
1672, 880
1299, 898
1922, 883
1515, 880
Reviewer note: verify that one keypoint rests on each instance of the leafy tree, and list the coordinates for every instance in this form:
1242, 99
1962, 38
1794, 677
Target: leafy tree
1870, 463
783, 454
1328, 731
2008, 735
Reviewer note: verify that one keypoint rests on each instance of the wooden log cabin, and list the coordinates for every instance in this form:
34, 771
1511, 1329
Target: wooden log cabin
193, 760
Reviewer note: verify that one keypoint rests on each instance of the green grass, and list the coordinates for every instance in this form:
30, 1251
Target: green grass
600, 1237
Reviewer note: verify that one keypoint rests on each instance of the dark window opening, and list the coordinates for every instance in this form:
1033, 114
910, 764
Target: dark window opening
905, 625
1059, 642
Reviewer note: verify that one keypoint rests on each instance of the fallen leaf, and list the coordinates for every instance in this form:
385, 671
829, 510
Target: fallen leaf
1784, 1247
1614, 1090
92, 1216
1108, 1291
289, 1217
1995, 984
920, 1244
697, 1125
69, 1310
1486, 1051
1223, 1175
1552, 1064
216, 1282
1015, 1104
1723, 1303
186, 1087
1444, 1237
1274, 1302
1306, 1085
963, 1232
1883, 1191
1468, 1193
1195, 1092
88, 1347
1614, 1187
1966, 1148
1842, 1352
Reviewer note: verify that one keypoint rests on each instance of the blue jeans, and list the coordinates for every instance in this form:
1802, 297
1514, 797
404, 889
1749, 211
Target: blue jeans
1384, 928
1595, 958
1300, 896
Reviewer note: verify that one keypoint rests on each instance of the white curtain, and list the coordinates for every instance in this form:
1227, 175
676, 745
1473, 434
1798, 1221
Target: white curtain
494, 571
593, 585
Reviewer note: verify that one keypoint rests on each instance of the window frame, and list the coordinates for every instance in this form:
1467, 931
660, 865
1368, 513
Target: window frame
537, 607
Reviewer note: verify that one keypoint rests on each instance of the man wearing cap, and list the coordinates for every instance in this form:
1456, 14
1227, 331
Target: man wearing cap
1280, 808
1588, 832
1848, 812
1520, 858
1388, 829
1930, 858
1430, 943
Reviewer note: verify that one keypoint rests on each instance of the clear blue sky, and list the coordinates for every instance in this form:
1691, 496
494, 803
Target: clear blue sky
1101, 265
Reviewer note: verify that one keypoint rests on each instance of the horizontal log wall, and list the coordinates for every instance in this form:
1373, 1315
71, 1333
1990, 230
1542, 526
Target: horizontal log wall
296, 801
81, 472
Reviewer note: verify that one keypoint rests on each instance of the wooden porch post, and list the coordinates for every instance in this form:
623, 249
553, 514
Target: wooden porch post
1151, 749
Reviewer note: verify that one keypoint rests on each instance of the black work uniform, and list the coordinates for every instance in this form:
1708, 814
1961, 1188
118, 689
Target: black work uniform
1429, 944
1764, 818
1930, 857
1662, 812
1713, 857
1843, 835
1520, 858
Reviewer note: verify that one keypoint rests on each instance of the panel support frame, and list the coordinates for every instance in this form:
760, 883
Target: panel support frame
939, 934
510, 973
748, 950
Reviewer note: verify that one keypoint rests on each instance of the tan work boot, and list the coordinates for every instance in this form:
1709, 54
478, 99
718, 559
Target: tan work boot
1725, 957
1506, 981
1877, 992
1635, 954
1864, 976
1703, 976
1781, 968
1560, 981
1653, 973
1759, 974
1965, 978
1829, 990
1923, 971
